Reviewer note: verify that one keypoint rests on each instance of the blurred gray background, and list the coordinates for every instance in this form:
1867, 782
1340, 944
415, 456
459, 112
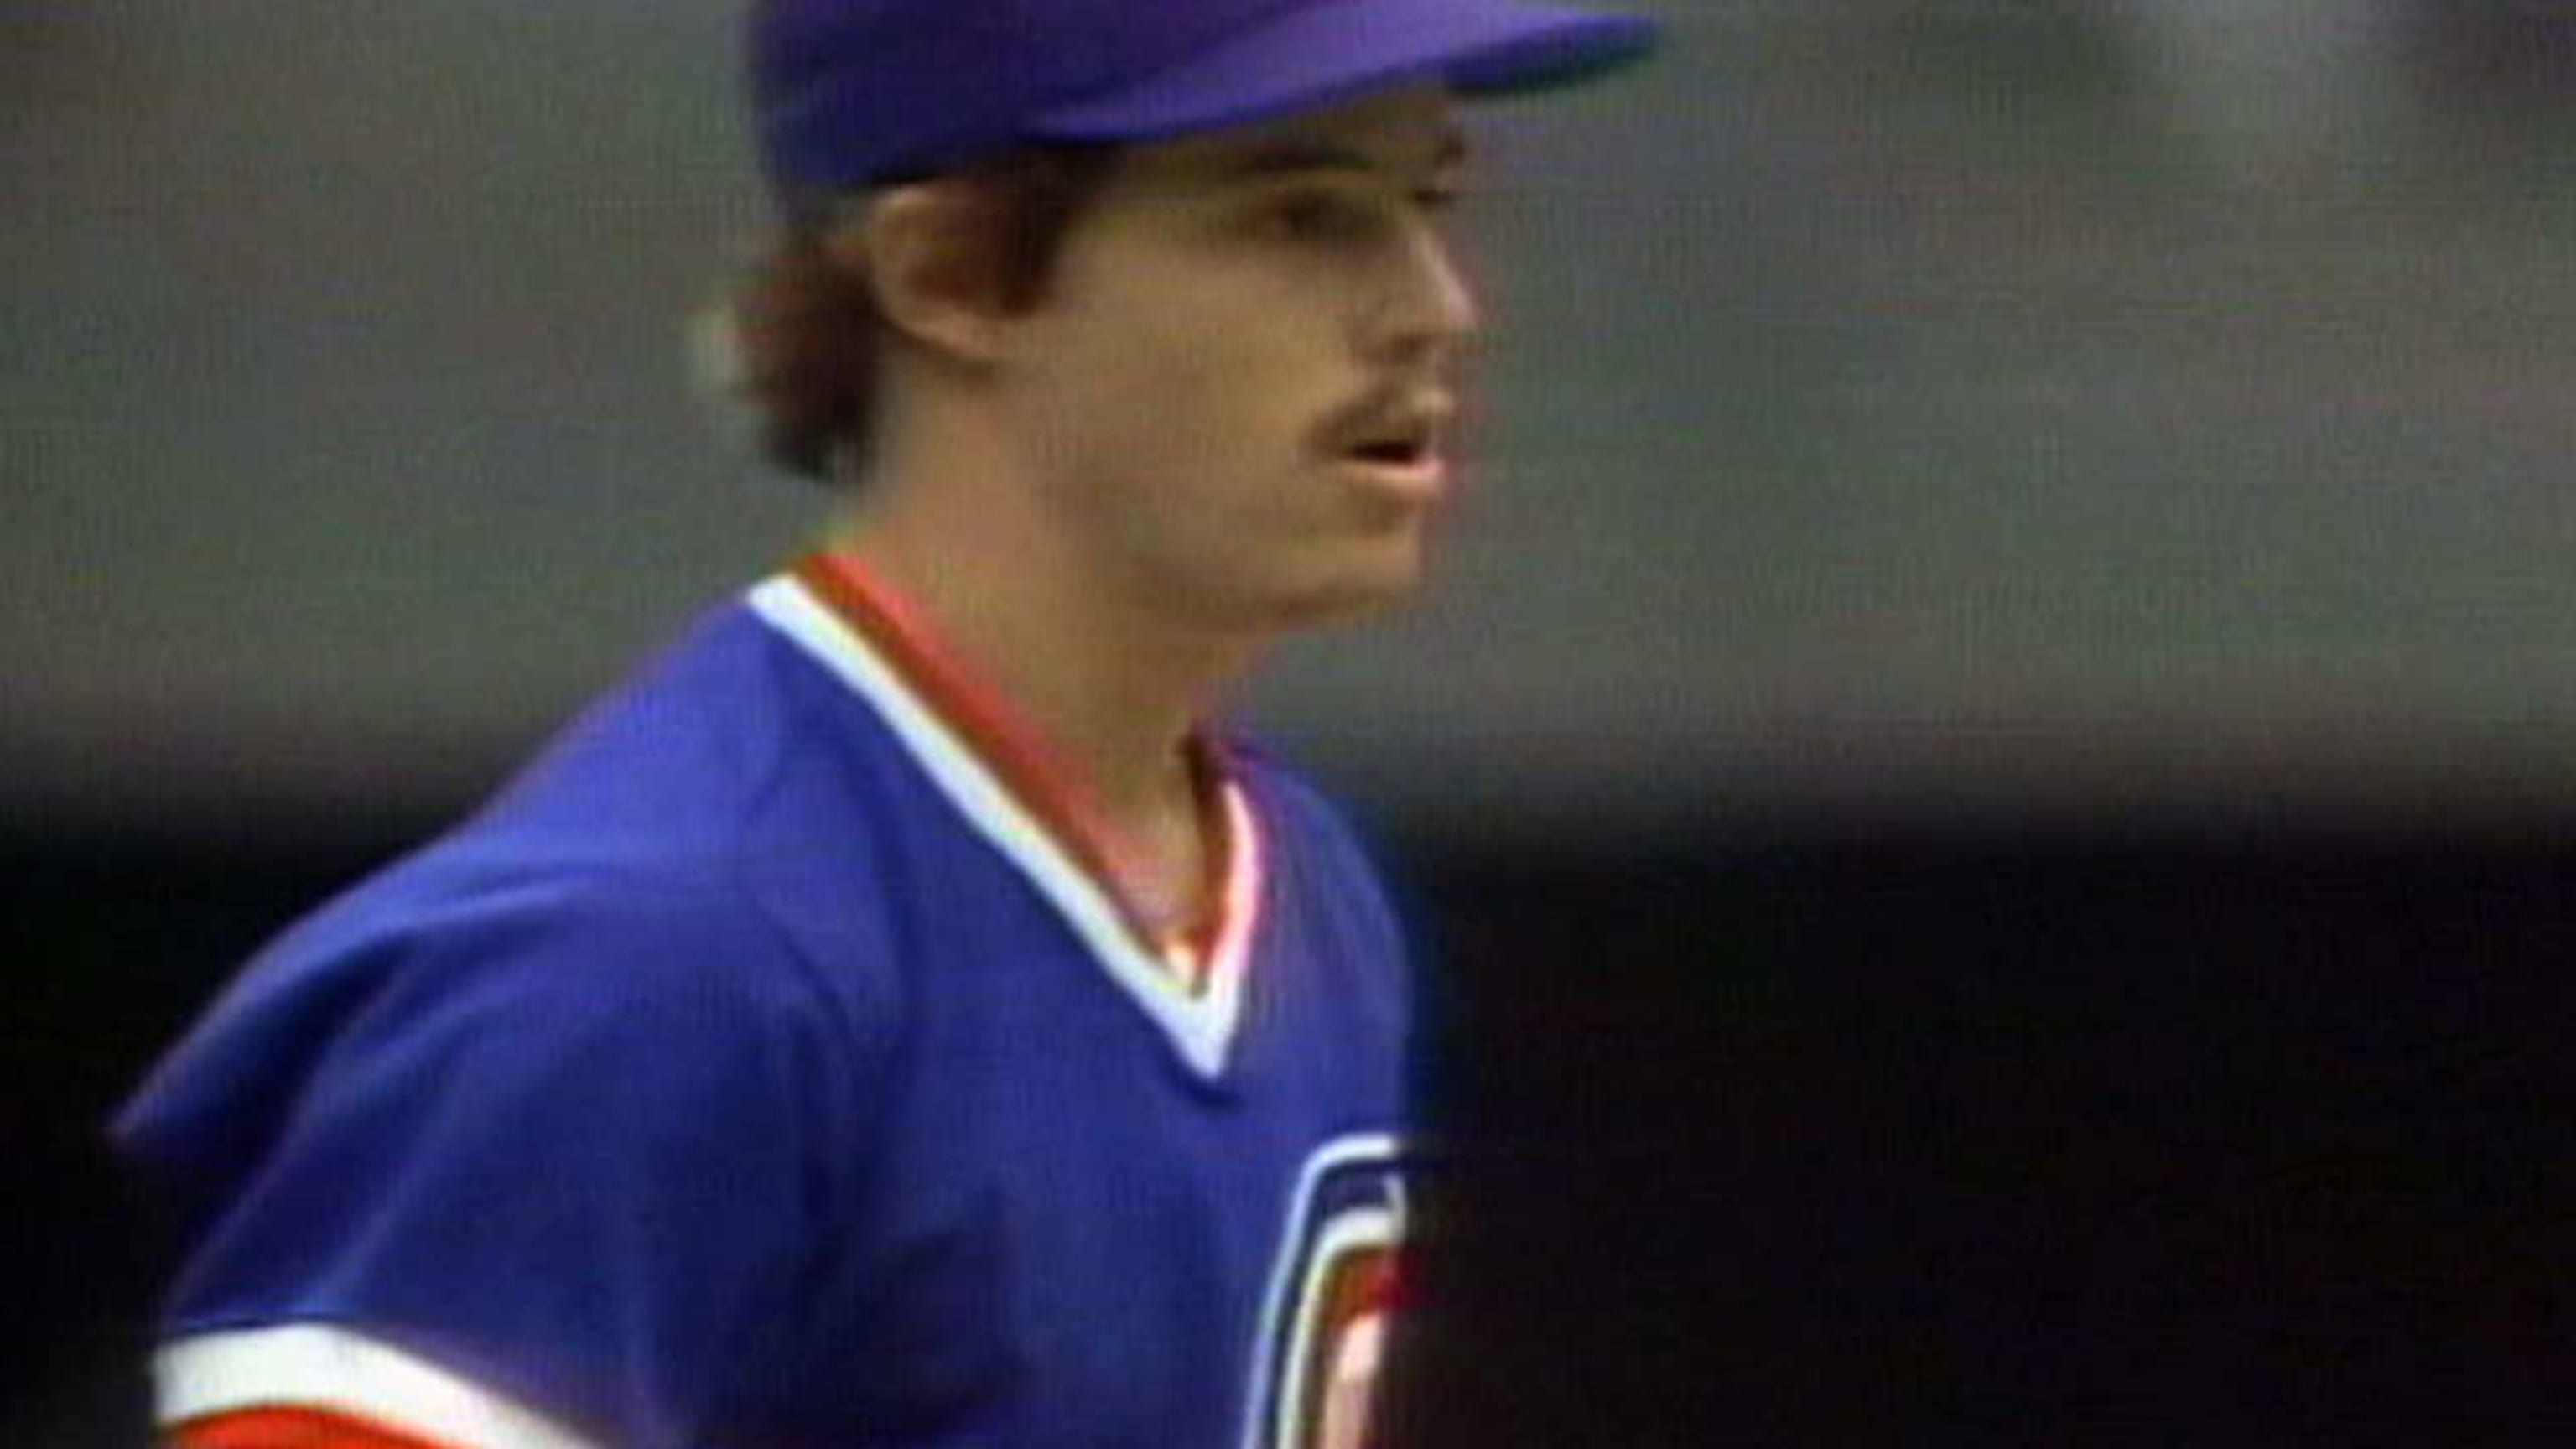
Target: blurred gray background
1896, 405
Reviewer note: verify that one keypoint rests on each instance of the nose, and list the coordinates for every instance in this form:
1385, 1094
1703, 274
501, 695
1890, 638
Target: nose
1431, 309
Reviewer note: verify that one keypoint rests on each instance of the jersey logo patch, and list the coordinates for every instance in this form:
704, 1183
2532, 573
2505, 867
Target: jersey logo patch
1333, 1294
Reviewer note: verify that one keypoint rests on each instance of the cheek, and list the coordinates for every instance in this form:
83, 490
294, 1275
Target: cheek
1219, 383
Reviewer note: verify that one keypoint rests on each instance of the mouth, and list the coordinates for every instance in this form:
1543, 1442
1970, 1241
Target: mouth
1402, 454
1394, 453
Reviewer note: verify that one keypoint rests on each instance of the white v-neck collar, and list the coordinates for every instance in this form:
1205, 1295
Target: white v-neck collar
1200, 1025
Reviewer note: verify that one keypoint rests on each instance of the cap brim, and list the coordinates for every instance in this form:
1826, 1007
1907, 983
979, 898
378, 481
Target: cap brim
1322, 54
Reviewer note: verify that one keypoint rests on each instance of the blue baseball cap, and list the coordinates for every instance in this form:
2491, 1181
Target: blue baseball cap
852, 93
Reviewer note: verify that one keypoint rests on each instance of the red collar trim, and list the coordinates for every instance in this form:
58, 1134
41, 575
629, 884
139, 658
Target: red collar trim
1040, 781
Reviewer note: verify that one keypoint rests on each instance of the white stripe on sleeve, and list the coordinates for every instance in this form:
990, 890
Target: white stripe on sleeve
324, 1366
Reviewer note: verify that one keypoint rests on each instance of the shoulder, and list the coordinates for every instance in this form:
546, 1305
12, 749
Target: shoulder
661, 862
570, 935
590, 1000
601, 1001
527, 985
731, 787
546, 904
522, 974
668, 770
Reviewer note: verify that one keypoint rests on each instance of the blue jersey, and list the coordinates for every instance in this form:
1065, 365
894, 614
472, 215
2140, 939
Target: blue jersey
760, 1070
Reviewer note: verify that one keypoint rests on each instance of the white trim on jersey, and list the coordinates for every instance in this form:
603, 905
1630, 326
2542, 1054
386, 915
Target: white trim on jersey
1201, 1026
324, 1366
1382, 1225
1368, 1228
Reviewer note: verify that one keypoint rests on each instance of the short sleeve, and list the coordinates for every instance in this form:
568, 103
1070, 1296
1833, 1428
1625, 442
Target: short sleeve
566, 1146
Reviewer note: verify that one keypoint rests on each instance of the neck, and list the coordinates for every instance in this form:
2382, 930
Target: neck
1112, 693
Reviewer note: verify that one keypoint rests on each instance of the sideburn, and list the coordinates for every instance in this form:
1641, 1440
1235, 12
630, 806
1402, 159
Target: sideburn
1038, 195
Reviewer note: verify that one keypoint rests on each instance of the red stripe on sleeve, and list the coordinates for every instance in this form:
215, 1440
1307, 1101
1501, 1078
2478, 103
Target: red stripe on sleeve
290, 1428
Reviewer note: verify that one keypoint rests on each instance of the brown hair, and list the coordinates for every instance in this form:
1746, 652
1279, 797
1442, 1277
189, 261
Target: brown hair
808, 331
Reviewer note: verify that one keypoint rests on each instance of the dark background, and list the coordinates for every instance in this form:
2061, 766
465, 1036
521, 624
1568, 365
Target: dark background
1992, 768
1863, 1132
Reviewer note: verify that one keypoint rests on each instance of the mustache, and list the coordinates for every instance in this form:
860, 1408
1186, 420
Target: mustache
1425, 409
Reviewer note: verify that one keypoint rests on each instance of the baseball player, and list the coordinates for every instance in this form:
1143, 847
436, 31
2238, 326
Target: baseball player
898, 1016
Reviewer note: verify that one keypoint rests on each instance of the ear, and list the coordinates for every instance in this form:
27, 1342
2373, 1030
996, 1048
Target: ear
927, 252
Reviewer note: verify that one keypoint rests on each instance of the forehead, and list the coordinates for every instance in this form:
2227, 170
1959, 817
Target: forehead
1407, 133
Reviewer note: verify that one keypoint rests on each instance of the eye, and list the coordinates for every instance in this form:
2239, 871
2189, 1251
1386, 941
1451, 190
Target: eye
1322, 218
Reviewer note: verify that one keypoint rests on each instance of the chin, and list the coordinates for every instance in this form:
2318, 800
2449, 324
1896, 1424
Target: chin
1353, 593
